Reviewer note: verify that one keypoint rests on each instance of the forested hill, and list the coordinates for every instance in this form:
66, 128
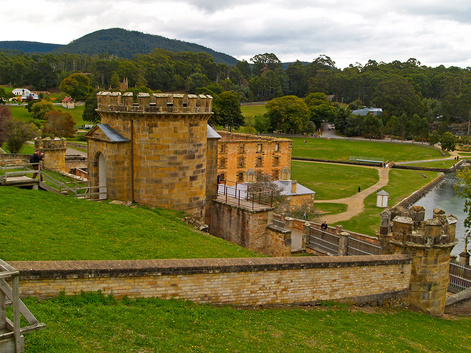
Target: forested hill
125, 44
28, 47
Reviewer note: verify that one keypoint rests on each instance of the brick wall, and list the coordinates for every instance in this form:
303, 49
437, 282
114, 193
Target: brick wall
253, 281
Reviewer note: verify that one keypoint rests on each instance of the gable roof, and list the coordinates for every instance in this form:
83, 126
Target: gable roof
104, 132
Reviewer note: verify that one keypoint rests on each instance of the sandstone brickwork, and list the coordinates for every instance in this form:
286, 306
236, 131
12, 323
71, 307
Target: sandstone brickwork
155, 148
238, 153
54, 153
429, 243
382, 280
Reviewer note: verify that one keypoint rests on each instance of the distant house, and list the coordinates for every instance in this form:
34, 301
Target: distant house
68, 103
21, 91
24, 93
366, 111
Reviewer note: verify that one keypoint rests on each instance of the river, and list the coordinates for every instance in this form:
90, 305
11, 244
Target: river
445, 197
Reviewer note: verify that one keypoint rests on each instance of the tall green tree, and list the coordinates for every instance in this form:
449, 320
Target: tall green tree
226, 108
448, 142
288, 114
18, 133
39, 109
77, 86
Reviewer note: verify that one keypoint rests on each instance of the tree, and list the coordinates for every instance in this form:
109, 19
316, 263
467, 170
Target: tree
89, 113
18, 133
288, 114
39, 109
262, 123
226, 108
448, 142
5, 118
267, 61
463, 188
59, 124
371, 126
391, 126
76, 85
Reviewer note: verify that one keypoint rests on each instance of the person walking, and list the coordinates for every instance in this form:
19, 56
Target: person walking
35, 158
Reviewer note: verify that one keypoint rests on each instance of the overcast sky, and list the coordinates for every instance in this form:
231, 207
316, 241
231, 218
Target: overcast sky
349, 31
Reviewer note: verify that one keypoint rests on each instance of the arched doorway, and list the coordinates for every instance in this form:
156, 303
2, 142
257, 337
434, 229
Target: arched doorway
102, 177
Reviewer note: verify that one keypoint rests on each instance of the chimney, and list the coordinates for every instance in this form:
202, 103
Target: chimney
294, 185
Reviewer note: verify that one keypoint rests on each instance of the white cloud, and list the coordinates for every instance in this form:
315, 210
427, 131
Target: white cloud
432, 31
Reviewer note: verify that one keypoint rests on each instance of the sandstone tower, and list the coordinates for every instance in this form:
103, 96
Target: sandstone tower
429, 244
153, 150
54, 152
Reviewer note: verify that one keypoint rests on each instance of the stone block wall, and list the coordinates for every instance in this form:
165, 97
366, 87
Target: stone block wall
382, 280
244, 227
54, 153
240, 152
168, 140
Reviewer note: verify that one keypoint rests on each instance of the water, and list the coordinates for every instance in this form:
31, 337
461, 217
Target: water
445, 197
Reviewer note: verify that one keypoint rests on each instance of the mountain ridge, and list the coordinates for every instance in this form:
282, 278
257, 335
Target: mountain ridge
119, 42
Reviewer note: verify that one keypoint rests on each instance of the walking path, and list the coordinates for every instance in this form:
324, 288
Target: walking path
355, 204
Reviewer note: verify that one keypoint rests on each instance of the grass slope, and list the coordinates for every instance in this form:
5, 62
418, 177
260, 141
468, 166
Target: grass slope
37, 225
95, 323
342, 150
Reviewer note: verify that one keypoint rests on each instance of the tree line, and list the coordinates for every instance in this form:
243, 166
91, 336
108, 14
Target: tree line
408, 92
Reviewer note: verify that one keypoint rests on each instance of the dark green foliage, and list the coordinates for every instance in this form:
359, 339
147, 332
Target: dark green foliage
89, 113
226, 110
125, 44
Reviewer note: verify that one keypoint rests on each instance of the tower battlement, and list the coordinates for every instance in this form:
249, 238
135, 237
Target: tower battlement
154, 103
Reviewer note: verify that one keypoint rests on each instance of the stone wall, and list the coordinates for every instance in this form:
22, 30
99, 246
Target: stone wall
244, 227
382, 280
167, 134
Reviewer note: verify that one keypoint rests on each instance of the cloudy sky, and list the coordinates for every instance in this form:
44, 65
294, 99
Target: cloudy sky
349, 31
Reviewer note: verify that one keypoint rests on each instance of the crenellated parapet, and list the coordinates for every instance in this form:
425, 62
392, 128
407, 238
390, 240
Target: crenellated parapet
54, 152
154, 103
429, 243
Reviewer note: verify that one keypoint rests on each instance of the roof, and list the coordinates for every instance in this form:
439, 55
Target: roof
67, 100
285, 186
211, 133
382, 193
109, 132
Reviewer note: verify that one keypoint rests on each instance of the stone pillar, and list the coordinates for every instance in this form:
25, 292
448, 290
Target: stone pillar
343, 243
429, 244
306, 232
54, 153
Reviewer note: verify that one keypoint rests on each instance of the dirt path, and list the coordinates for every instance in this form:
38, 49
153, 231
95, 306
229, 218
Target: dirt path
355, 204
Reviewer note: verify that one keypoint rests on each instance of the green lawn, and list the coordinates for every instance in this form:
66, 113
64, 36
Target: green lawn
26, 149
401, 184
39, 225
447, 163
95, 323
342, 150
20, 112
249, 111
333, 181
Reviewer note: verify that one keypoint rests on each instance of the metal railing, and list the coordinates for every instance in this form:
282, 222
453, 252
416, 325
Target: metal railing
460, 277
243, 195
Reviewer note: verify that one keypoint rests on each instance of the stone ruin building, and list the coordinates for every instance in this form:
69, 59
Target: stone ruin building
429, 243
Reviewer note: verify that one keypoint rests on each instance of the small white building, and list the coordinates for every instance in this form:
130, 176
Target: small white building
24, 93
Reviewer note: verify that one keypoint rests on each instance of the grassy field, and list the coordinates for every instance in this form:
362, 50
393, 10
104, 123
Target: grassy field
333, 181
26, 149
95, 323
20, 112
250, 111
342, 150
447, 163
401, 184
39, 225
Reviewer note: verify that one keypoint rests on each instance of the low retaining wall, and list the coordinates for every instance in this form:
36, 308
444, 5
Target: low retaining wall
336, 162
414, 197
441, 170
383, 280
